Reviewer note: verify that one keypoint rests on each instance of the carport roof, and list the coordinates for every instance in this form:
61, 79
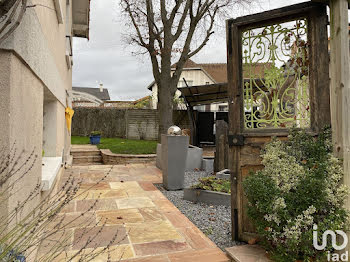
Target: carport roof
208, 94
205, 94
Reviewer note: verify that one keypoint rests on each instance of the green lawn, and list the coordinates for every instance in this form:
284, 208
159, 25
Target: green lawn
121, 146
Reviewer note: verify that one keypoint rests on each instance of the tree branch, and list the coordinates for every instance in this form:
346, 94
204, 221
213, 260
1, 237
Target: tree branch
208, 34
17, 23
152, 51
136, 26
180, 26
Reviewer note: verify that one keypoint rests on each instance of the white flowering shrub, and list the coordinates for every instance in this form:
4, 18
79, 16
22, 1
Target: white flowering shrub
300, 185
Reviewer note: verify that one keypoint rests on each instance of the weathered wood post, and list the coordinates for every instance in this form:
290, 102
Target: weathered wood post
221, 153
340, 88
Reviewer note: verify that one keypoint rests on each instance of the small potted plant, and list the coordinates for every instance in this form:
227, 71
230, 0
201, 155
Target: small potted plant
95, 137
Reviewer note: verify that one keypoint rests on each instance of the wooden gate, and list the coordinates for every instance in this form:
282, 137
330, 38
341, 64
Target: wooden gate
278, 77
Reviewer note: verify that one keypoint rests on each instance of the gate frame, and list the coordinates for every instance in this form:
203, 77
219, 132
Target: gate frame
317, 18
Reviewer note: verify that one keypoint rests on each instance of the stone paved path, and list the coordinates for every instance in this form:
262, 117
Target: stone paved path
149, 227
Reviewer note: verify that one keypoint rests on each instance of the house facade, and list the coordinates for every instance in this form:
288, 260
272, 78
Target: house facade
197, 75
35, 82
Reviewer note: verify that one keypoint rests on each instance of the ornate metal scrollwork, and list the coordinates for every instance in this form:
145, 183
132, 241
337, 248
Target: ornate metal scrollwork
276, 76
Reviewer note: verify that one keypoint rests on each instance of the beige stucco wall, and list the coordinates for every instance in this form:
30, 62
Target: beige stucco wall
33, 69
21, 122
40, 41
55, 35
195, 77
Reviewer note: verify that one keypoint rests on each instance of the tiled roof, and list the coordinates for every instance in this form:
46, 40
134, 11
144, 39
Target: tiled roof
104, 95
216, 71
189, 64
141, 99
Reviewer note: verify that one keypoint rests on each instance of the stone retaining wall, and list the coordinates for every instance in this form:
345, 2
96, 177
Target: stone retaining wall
109, 158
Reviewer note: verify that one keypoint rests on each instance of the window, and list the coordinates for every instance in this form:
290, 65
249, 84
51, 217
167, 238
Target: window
69, 39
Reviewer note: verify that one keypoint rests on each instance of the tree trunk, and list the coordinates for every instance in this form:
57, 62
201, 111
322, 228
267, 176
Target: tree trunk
165, 105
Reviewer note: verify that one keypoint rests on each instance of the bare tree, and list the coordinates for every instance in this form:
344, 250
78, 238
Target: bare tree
172, 30
11, 15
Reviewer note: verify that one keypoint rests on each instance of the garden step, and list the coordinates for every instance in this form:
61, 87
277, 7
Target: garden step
86, 159
247, 253
78, 153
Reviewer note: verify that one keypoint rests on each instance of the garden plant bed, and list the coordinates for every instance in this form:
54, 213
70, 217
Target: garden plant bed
208, 197
210, 190
212, 220
109, 158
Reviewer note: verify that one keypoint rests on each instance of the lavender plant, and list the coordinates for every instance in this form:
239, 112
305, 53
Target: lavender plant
45, 225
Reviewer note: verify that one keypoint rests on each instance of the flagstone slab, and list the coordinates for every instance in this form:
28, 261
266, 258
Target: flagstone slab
157, 248
97, 204
195, 239
100, 194
151, 178
95, 186
115, 253
64, 236
132, 188
156, 195
114, 194
125, 185
247, 253
152, 232
165, 205
107, 168
149, 259
178, 219
97, 236
121, 216
151, 214
147, 186
69, 208
135, 202
74, 220
97, 176
204, 255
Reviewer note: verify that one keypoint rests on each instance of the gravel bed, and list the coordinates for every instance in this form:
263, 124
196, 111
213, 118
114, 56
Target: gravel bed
213, 221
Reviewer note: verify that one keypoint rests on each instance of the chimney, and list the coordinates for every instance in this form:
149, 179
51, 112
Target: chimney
101, 87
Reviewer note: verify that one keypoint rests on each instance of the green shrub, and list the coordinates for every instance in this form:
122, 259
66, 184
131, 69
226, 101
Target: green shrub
214, 184
96, 133
300, 185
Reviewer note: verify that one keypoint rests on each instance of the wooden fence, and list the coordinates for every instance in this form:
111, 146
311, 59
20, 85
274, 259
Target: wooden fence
123, 123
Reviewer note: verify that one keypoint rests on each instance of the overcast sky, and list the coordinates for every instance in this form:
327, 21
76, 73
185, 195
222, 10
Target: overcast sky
105, 58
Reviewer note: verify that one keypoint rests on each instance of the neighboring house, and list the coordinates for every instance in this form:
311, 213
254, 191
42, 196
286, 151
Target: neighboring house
86, 96
196, 75
118, 104
99, 97
35, 83
143, 103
